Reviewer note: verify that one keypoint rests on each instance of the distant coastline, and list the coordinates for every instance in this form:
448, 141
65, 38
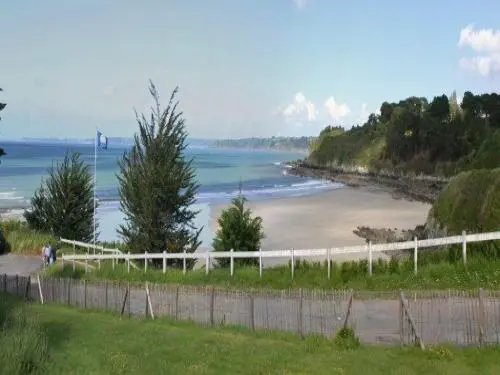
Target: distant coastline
290, 144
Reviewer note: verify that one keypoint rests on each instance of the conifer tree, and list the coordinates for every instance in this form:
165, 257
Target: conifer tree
157, 185
64, 203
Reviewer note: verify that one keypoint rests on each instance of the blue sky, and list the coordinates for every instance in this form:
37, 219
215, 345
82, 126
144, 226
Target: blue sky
244, 67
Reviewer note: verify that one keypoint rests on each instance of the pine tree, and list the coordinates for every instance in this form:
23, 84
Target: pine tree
239, 231
64, 203
157, 185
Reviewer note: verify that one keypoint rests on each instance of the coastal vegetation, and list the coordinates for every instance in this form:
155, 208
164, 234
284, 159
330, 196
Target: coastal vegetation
436, 270
61, 340
239, 231
63, 205
273, 143
441, 137
157, 185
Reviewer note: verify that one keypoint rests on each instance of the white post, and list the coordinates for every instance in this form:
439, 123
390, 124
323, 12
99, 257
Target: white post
184, 263
95, 184
164, 261
207, 261
145, 261
86, 262
113, 261
415, 255
464, 246
39, 288
370, 258
74, 264
128, 262
260, 262
329, 262
293, 262
232, 263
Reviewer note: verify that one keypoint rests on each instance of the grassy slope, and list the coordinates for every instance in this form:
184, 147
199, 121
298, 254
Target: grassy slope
433, 274
98, 343
471, 201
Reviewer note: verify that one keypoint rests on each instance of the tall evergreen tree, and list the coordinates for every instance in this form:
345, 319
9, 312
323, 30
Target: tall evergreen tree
64, 203
157, 185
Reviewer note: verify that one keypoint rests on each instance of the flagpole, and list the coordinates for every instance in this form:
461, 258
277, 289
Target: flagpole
95, 183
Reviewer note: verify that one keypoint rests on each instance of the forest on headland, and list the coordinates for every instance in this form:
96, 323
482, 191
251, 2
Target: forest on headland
440, 137
273, 143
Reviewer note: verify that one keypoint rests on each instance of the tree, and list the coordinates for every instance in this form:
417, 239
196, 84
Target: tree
2, 106
157, 185
64, 203
239, 231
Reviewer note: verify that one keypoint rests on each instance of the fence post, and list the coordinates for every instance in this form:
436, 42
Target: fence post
39, 287
252, 310
145, 261
231, 266
292, 255
207, 261
86, 262
415, 255
84, 294
212, 303
17, 285
62, 261
260, 262
164, 261
329, 263
464, 246
69, 292
106, 294
128, 262
370, 258
482, 317
300, 317
184, 263
177, 302
74, 264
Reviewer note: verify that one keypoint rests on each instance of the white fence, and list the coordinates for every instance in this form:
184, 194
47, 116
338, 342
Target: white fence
328, 253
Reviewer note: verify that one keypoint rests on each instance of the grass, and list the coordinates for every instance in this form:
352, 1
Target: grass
100, 343
434, 272
22, 240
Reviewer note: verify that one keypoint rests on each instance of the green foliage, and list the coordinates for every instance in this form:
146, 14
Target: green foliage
23, 342
413, 135
470, 202
20, 239
346, 339
63, 205
157, 185
239, 231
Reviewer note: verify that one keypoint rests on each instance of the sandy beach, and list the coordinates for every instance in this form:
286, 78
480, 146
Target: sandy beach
327, 219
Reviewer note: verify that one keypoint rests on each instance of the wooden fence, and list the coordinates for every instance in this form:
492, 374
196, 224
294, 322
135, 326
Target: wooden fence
456, 317
292, 254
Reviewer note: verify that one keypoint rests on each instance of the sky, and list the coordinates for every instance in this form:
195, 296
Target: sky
243, 67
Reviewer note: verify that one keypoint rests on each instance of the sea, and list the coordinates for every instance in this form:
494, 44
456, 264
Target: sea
263, 174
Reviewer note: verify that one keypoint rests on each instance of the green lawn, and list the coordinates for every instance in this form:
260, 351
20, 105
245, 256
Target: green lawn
100, 343
387, 276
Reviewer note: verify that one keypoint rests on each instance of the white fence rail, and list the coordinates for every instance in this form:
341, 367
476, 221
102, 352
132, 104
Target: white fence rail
292, 254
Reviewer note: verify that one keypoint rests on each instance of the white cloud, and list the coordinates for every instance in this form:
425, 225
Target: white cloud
336, 110
300, 4
300, 110
486, 42
364, 114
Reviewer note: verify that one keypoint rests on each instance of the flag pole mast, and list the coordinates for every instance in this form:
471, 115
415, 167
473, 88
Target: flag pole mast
95, 183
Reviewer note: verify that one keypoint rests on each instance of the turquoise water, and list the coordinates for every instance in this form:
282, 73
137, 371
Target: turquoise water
263, 175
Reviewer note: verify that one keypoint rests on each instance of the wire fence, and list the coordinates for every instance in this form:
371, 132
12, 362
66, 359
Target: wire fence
430, 317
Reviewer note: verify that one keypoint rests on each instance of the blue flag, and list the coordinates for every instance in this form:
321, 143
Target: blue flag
102, 141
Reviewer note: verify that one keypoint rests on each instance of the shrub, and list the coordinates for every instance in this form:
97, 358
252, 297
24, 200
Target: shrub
239, 231
63, 205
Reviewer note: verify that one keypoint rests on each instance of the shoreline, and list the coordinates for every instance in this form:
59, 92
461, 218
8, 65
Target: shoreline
424, 189
329, 219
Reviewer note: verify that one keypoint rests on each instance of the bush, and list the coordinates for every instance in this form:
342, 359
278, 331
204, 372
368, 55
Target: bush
63, 205
239, 231
346, 339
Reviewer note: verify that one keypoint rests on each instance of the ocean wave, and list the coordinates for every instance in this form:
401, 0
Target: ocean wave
10, 195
